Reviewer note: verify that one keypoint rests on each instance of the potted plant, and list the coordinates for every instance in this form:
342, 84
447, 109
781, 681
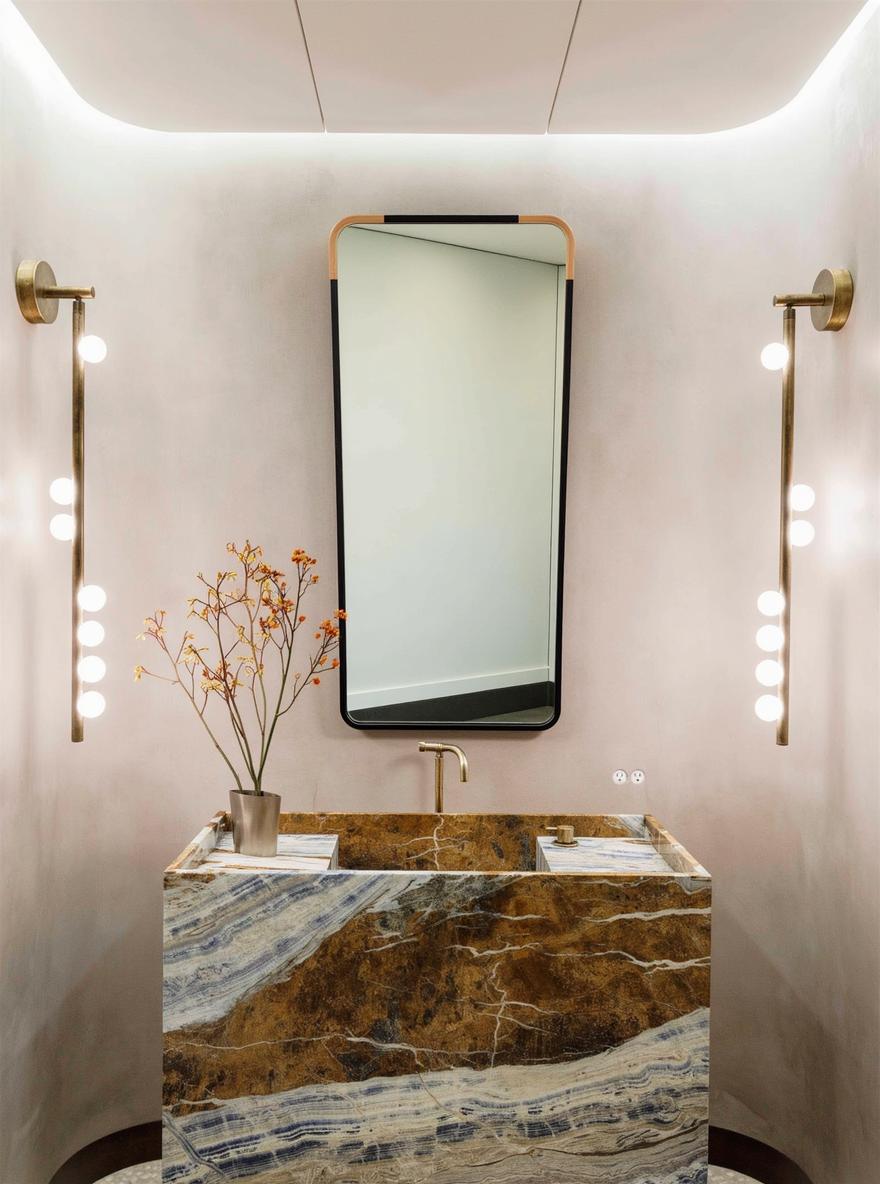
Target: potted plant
248, 619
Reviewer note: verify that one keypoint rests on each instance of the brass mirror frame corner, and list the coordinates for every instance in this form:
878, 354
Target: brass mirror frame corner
830, 303
38, 294
522, 219
333, 261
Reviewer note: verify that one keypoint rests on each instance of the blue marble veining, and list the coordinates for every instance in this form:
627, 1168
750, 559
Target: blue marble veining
588, 1120
230, 934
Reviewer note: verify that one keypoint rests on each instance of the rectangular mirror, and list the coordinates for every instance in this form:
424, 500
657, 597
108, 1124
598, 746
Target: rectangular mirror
451, 355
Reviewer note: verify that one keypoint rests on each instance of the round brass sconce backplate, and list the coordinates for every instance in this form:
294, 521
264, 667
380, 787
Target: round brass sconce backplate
836, 285
32, 278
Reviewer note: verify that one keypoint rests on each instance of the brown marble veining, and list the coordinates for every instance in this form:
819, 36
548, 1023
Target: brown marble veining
449, 842
434, 955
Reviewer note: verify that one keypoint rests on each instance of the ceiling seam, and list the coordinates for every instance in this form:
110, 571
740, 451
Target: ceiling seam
302, 30
577, 13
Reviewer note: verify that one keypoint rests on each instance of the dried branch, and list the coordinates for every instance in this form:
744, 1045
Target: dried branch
263, 615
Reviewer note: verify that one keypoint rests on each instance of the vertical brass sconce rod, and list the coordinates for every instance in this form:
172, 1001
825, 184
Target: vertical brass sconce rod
77, 468
38, 295
786, 468
830, 302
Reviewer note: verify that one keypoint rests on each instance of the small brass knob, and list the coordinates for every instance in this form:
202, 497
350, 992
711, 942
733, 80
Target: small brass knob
564, 835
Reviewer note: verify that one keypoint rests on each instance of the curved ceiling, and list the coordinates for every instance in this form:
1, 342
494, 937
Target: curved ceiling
495, 66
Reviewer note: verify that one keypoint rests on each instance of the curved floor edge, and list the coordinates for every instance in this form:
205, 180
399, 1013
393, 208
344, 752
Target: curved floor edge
740, 1153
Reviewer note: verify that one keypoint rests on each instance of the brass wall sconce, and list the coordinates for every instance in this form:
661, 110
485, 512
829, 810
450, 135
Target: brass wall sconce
829, 302
38, 295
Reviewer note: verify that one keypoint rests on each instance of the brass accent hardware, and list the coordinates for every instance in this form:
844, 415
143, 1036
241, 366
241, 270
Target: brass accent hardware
351, 220
785, 484
836, 285
551, 220
523, 219
438, 751
564, 835
829, 303
78, 542
38, 294
799, 301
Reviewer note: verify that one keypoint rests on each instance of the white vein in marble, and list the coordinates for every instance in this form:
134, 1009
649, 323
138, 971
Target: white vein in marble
634, 823
631, 1115
230, 935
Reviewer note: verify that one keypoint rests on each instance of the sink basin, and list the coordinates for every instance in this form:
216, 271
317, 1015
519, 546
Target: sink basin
435, 1009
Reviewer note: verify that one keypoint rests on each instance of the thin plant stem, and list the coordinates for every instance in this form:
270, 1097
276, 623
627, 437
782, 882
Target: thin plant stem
265, 619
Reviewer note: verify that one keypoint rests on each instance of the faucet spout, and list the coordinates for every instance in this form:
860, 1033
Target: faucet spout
438, 751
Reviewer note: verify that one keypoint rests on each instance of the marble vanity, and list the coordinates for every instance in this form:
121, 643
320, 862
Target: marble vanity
404, 998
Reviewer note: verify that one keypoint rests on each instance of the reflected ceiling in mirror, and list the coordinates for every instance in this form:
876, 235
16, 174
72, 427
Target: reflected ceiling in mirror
451, 347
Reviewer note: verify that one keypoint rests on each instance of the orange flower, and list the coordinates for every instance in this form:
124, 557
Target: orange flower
266, 621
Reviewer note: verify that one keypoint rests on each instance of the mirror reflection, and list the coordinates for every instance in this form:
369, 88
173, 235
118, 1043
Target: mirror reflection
451, 384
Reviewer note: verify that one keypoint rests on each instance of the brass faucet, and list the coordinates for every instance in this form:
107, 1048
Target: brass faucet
438, 751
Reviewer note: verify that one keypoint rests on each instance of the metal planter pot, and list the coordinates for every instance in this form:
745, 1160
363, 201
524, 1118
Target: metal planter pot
255, 822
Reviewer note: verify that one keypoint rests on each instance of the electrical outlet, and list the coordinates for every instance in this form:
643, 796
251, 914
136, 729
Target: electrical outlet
619, 776
637, 776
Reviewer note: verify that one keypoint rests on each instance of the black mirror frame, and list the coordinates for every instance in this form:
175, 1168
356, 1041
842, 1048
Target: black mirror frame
355, 219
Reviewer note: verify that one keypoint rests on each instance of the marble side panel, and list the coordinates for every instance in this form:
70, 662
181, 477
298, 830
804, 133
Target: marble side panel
371, 1026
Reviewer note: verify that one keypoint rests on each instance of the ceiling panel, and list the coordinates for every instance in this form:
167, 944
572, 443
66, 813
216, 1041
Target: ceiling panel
691, 65
183, 65
437, 65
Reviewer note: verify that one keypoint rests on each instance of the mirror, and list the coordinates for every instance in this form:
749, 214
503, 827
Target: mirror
451, 352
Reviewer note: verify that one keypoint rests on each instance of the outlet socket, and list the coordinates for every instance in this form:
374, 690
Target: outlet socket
619, 776
637, 776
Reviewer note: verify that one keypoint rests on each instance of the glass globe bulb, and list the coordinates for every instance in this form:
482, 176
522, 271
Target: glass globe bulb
61, 527
91, 668
769, 708
802, 498
61, 491
90, 633
92, 348
801, 533
769, 672
769, 638
771, 604
91, 704
774, 356
91, 597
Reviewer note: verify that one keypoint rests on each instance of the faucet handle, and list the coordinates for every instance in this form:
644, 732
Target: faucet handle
564, 835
